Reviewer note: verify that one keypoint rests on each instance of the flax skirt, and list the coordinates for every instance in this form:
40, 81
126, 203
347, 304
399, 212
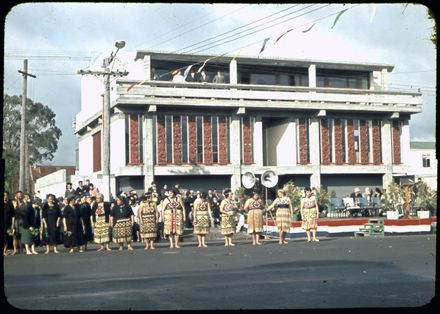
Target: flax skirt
201, 223
255, 221
310, 219
227, 224
173, 222
148, 229
101, 234
283, 219
122, 231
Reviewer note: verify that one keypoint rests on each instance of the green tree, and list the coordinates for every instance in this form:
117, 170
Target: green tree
42, 136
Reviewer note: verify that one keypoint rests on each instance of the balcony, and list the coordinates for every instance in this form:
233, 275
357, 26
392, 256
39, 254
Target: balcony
268, 97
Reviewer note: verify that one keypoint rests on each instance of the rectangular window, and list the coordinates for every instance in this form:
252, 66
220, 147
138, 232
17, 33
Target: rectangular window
96, 151
330, 141
169, 138
344, 140
184, 124
356, 140
426, 161
141, 139
199, 138
214, 130
127, 139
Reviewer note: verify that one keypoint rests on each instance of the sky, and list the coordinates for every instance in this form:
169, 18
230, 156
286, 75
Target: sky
59, 39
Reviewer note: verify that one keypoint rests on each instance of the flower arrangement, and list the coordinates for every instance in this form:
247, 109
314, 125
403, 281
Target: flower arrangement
68, 233
35, 231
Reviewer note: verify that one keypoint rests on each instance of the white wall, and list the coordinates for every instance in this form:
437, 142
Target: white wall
415, 163
54, 183
117, 145
281, 144
85, 156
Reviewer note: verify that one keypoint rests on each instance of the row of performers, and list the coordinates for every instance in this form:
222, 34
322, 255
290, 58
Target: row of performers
117, 223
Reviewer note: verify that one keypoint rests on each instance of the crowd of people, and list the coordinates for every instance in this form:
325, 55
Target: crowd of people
82, 216
191, 76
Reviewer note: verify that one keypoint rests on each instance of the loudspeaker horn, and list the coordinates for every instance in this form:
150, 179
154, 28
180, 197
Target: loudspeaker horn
269, 178
248, 180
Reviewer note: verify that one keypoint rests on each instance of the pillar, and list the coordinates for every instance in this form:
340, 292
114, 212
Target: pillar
148, 147
233, 72
312, 76
236, 149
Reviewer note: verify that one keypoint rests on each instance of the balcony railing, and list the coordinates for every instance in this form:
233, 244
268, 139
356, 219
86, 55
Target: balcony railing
395, 101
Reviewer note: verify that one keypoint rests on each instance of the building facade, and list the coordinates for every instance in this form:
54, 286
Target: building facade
318, 123
423, 162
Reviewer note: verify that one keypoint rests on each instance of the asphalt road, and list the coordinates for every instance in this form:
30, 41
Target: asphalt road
347, 272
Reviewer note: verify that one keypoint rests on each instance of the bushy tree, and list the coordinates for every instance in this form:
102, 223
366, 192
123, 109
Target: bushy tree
42, 136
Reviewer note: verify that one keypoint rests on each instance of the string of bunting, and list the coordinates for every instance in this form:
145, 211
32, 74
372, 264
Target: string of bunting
263, 46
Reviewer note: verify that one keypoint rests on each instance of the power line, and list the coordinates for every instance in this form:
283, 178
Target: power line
195, 28
305, 24
230, 31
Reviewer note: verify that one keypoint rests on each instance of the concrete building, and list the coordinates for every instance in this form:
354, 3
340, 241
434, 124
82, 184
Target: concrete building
423, 162
315, 122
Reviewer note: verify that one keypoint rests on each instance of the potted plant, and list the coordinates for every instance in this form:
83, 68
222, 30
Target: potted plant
323, 200
392, 201
425, 200
295, 196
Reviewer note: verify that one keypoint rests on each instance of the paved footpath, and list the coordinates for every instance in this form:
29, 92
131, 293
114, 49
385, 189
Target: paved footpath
346, 272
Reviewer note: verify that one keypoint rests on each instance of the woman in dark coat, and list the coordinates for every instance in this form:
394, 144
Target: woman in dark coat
51, 222
72, 226
26, 215
86, 221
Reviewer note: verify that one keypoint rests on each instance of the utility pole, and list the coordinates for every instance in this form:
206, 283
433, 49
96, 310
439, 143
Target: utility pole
23, 142
106, 115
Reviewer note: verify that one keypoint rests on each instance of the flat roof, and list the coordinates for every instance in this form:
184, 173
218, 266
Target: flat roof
422, 145
321, 64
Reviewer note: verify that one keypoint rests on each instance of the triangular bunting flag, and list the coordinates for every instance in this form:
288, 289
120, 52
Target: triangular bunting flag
308, 28
185, 74
282, 36
264, 44
338, 16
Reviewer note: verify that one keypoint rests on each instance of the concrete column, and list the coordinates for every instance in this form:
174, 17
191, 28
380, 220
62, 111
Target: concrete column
315, 158
384, 78
147, 67
148, 148
404, 143
387, 156
258, 141
236, 149
312, 76
233, 72
314, 144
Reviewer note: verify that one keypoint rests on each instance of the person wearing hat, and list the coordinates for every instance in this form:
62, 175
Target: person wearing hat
227, 216
148, 219
174, 217
122, 220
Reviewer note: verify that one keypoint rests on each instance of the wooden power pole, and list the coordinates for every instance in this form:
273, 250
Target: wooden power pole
23, 143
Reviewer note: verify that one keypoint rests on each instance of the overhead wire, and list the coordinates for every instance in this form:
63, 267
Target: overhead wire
237, 28
231, 40
194, 28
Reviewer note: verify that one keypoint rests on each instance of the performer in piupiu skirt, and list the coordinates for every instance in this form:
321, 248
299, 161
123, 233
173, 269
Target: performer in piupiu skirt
51, 214
174, 217
73, 226
202, 217
101, 223
122, 220
284, 213
86, 219
255, 207
148, 219
227, 216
